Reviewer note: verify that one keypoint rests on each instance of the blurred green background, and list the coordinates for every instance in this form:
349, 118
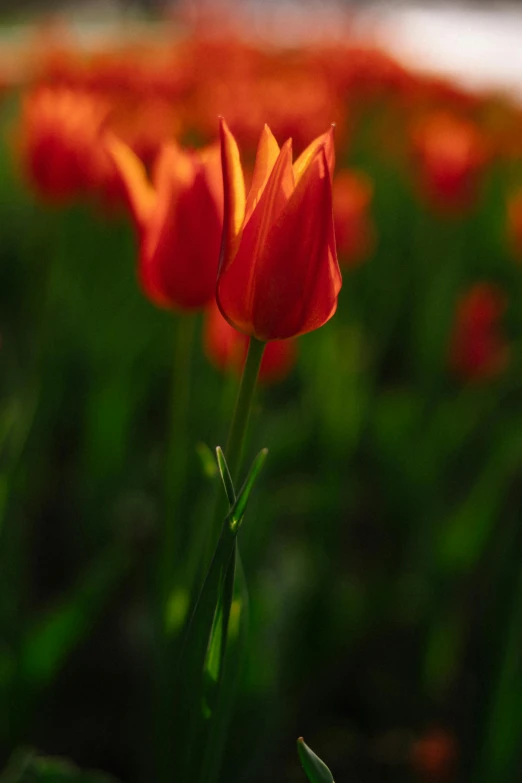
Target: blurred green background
383, 545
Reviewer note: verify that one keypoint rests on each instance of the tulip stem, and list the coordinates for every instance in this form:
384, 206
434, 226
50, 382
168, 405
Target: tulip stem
236, 437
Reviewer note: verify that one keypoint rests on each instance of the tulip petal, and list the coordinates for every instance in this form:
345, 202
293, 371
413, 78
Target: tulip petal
276, 193
210, 158
185, 204
266, 156
234, 192
174, 174
236, 280
305, 158
140, 194
298, 277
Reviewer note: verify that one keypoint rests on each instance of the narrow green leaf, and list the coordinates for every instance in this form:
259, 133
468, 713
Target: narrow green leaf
200, 665
225, 476
214, 644
237, 511
231, 671
315, 770
218, 640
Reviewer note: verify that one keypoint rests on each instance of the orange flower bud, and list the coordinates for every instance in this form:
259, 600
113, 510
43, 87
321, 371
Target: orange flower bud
354, 232
450, 152
178, 218
478, 350
278, 275
226, 348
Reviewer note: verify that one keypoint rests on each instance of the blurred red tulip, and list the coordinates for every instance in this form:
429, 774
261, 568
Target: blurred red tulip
178, 218
226, 348
354, 231
433, 755
449, 152
145, 125
61, 142
278, 274
479, 350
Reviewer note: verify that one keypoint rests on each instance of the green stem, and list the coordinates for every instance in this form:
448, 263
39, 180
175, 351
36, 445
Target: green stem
236, 437
212, 752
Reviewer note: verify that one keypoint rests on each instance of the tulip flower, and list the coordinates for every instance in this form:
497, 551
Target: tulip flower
178, 218
450, 153
60, 142
479, 351
278, 275
226, 349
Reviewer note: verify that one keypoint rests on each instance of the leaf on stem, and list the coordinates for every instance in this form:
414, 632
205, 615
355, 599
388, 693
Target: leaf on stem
232, 667
315, 770
214, 642
226, 478
235, 516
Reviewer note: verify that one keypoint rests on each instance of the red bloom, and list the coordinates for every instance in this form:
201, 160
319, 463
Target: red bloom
354, 232
450, 152
61, 142
278, 274
178, 218
226, 348
479, 351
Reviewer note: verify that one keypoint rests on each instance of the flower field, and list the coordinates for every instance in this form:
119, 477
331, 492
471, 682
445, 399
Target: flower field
307, 253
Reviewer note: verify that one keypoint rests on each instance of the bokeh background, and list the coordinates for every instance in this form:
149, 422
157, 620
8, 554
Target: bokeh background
383, 545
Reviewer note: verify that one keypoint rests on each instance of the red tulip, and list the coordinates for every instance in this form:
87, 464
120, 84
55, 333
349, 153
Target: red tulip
61, 142
278, 275
226, 348
178, 218
450, 153
479, 350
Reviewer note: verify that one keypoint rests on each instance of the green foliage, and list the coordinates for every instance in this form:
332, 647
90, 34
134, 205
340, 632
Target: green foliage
213, 645
384, 551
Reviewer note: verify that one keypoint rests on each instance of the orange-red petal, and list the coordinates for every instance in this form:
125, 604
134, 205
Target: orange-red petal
179, 257
266, 156
298, 277
139, 192
326, 140
234, 192
235, 289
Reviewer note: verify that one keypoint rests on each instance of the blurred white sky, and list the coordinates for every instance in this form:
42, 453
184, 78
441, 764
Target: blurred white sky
479, 45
